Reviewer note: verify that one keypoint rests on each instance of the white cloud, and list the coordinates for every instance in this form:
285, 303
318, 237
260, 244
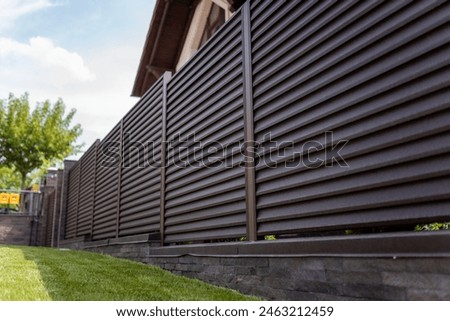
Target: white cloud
11, 10
100, 103
42, 57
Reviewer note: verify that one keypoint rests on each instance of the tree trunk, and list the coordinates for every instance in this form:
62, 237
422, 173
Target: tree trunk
23, 186
24, 179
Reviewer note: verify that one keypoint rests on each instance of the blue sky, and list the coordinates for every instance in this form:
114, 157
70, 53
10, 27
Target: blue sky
84, 51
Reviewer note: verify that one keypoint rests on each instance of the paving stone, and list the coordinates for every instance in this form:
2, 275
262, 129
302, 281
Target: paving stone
308, 275
372, 292
278, 283
245, 270
317, 287
428, 265
300, 296
254, 261
262, 270
368, 278
373, 264
427, 295
417, 280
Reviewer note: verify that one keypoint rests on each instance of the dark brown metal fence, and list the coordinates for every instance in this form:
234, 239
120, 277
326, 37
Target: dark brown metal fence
340, 110
48, 209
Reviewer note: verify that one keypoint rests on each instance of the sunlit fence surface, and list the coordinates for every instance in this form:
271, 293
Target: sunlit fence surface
295, 117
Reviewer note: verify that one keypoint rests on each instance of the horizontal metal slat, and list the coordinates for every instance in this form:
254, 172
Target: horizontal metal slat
314, 19
107, 219
203, 116
380, 67
222, 198
207, 95
219, 42
193, 174
149, 182
259, 10
84, 220
83, 227
152, 94
357, 159
383, 177
209, 177
229, 185
149, 216
224, 233
144, 199
232, 158
379, 131
409, 193
327, 117
211, 148
430, 147
140, 139
225, 62
222, 72
213, 223
208, 213
143, 223
142, 229
409, 214
136, 202
105, 233
104, 183
104, 209
150, 209
263, 16
348, 34
85, 208
106, 195
386, 80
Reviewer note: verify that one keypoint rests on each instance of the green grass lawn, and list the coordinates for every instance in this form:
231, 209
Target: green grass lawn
33, 273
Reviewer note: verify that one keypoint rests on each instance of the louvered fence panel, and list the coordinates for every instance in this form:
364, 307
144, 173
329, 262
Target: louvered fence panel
106, 186
205, 191
141, 173
87, 181
72, 202
364, 83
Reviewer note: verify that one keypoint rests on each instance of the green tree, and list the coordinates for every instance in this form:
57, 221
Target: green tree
9, 179
31, 139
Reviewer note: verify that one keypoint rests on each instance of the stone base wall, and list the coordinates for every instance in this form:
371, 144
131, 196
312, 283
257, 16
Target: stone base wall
272, 277
317, 278
15, 229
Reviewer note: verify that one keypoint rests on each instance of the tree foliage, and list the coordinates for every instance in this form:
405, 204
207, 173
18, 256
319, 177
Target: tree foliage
9, 179
433, 226
31, 139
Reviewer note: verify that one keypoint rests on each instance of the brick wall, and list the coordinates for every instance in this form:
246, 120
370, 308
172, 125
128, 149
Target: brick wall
15, 229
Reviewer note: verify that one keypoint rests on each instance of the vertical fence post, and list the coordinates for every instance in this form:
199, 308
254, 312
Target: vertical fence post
166, 78
119, 179
97, 143
58, 194
249, 143
80, 164
68, 165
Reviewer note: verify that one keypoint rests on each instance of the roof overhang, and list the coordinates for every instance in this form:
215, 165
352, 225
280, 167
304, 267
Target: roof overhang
165, 39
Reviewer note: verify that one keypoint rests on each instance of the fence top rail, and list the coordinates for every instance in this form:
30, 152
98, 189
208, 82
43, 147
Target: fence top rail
19, 191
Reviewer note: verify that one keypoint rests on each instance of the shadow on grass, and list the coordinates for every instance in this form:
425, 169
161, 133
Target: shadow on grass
70, 275
20, 278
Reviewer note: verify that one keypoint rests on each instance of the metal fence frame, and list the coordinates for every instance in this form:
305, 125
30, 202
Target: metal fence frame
389, 73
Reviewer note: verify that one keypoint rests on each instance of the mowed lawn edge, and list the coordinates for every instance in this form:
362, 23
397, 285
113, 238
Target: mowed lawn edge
36, 273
